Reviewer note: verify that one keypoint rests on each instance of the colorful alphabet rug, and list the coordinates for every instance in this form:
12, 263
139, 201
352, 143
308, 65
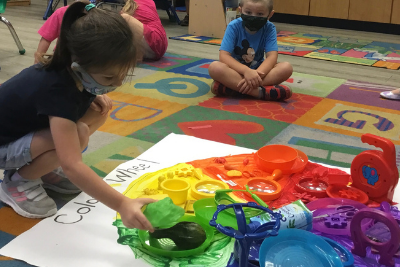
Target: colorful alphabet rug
332, 48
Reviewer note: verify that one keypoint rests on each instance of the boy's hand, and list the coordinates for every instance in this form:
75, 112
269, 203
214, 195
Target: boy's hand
253, 78
102, 104
132, 215
245, 88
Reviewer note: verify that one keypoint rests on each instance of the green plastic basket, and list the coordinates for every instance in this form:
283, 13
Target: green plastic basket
167, 248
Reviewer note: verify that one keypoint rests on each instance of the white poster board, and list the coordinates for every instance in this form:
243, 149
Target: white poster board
82, 234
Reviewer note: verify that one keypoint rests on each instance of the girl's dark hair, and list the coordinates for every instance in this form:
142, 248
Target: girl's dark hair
97, 39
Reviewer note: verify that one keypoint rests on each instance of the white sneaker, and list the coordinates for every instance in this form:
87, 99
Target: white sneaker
26, 197
57, 181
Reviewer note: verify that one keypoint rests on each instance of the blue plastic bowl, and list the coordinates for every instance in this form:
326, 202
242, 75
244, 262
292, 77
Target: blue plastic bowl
297, 248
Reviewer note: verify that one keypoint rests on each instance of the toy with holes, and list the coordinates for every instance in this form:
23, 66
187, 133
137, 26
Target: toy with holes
246, 234
375, 172
386, 249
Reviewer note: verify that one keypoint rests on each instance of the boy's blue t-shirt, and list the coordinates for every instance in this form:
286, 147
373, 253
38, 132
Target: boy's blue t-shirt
248, 48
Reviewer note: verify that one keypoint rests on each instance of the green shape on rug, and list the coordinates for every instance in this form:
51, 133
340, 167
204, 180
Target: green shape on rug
338, 58
330, 148
339, 45
124, 148
99, 172
312, 84
120, 157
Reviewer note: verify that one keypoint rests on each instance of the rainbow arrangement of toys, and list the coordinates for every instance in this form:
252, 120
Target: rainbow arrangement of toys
271, 208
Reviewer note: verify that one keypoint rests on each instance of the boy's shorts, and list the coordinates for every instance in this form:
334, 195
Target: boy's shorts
17, 153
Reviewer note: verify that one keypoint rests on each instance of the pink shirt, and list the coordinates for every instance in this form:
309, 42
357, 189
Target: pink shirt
153, 31
146, 13
51, 28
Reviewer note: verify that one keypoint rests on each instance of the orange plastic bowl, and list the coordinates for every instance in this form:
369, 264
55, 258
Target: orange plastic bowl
265, 189
276, 157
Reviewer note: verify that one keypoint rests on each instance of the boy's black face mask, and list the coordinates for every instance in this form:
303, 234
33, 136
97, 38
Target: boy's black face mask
253, 23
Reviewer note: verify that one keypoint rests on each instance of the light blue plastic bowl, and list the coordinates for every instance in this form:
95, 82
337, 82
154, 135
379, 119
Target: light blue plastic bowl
297, 248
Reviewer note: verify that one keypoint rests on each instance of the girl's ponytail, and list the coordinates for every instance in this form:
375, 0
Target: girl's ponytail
129, 7
97, 39
62, 55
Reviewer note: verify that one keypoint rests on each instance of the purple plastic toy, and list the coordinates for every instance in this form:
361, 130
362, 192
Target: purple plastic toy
336, 220
386, 250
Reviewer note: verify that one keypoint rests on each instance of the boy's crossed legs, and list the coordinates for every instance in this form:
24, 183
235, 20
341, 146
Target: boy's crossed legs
227, 80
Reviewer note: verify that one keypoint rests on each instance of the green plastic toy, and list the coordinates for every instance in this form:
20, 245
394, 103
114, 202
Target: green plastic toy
167, 248
163, 213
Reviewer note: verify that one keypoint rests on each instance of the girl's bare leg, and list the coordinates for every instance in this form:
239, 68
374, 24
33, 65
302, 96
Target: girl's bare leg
43, 153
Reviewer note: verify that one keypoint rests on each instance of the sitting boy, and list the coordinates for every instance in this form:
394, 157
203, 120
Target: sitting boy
242, 68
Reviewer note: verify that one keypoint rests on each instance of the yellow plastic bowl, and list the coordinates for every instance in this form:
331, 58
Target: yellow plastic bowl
207, 188
176, 189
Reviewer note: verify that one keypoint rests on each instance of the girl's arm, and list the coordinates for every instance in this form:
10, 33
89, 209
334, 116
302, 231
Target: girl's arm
42, 49
68, 148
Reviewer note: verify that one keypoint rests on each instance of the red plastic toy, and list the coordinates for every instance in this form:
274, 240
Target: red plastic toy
375, 172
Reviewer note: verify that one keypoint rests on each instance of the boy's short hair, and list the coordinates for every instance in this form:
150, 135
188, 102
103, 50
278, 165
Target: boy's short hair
268, 3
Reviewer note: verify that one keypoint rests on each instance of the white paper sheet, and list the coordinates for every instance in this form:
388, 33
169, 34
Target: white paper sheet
82, 234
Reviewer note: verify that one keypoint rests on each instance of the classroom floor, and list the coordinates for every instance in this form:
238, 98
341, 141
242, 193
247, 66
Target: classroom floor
28, 19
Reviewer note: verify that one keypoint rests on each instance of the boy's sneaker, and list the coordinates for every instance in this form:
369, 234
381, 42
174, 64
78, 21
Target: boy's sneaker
219, 89
278, 92
26, 197
57, 181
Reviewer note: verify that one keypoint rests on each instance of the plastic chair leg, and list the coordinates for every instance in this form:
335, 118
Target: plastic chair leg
14, 35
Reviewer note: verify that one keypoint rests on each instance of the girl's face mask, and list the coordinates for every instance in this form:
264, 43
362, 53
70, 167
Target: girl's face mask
253, 23
89, 83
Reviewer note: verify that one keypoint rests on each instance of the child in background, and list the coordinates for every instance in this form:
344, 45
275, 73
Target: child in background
48, 117
141, 16
241, 68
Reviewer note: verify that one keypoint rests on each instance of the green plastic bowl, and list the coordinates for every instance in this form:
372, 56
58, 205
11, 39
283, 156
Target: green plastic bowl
222, 198
167, 248
205, 209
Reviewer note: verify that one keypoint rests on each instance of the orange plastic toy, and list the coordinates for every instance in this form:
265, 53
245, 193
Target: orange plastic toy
266, 188
277, 156
273, 157
375, 172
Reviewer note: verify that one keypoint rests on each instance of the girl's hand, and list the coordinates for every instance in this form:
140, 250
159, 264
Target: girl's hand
102, 104
132, 216
252, 78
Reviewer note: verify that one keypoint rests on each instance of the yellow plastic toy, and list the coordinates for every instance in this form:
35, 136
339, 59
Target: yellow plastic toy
176, 189
207, 188
234, 173
200, 185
